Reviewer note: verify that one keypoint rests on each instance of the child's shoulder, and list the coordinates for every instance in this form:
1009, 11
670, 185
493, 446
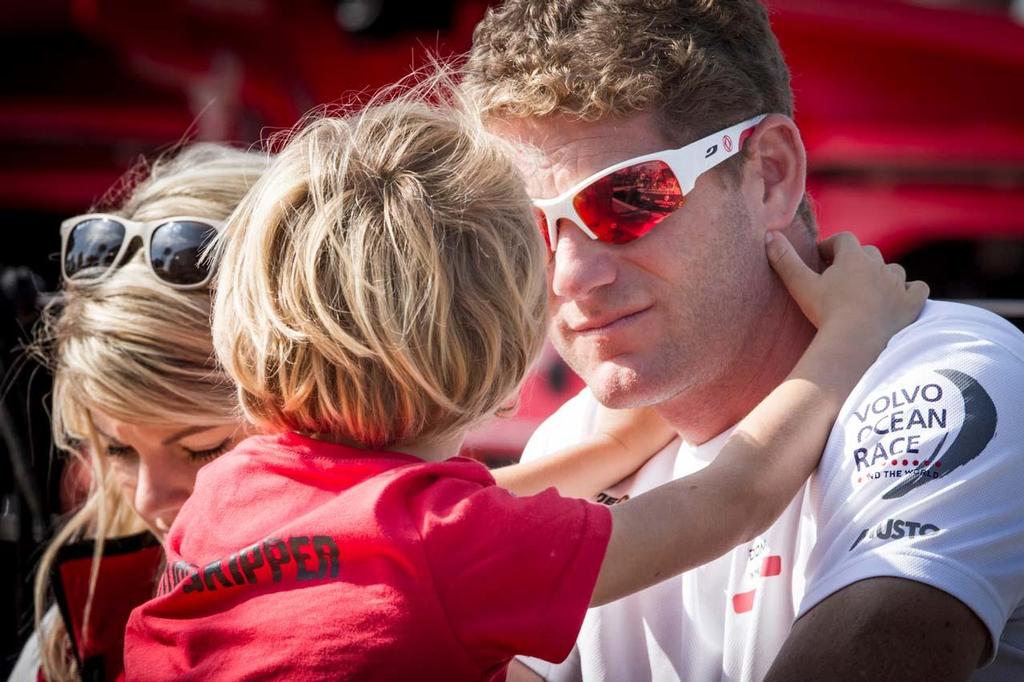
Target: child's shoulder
269, 483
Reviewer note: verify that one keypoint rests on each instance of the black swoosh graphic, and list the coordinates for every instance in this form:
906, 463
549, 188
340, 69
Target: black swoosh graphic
863, 534
979, 427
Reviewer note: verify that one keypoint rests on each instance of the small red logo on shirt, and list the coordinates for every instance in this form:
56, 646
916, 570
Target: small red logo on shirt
743, 602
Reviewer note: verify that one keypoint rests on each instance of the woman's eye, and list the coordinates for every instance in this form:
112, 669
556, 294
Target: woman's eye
207, 455
120, 450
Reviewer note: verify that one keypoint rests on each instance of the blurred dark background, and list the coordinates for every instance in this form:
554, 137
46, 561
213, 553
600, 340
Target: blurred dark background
912, 113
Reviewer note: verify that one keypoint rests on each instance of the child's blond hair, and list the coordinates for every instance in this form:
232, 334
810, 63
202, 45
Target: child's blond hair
383, 284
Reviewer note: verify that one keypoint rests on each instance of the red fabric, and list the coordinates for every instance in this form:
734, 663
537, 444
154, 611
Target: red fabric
127, 578
326, 562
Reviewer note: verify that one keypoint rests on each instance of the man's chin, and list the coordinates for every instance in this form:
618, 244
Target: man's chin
619, 387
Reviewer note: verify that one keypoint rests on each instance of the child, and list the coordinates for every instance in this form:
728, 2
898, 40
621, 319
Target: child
381, 291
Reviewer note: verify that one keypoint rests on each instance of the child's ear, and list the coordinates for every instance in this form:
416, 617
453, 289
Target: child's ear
777, 162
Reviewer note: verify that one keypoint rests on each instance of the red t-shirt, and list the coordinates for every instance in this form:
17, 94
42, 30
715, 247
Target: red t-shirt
299, 559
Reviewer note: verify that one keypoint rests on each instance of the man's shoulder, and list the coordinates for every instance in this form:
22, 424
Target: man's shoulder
948, 380
947, 336
920, 477
945, 323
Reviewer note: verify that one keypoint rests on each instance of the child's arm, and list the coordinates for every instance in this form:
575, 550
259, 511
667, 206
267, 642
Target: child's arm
857, 304
624, 440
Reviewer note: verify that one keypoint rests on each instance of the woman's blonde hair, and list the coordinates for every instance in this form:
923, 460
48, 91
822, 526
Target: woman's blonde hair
137, 350
383, 284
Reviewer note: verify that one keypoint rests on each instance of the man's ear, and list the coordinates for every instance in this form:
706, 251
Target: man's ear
777, 158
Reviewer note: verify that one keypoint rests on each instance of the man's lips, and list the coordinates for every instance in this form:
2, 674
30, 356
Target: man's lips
605, 324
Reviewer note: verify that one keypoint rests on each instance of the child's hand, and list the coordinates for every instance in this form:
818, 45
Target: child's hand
641, 432
858, 289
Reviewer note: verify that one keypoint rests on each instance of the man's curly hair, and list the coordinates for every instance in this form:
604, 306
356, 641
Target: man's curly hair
699, 65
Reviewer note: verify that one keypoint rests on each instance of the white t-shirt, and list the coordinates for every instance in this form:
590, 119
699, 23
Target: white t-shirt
922, 478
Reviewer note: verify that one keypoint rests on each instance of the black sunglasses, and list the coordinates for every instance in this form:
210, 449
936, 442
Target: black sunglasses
93, 245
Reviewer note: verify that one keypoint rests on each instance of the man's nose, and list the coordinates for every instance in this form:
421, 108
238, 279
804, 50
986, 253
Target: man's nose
581, 264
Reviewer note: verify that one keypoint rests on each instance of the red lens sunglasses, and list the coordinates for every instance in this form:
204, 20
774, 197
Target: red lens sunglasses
625, 201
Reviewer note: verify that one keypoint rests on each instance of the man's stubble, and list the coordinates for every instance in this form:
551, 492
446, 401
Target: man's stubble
711, 325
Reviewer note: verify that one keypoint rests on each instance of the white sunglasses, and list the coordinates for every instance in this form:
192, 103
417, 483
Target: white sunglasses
625, 201
93, 245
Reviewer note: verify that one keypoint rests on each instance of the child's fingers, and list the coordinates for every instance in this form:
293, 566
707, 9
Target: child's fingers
914, 299
787, 263
918, 290
896, 272
837, 245
874, 254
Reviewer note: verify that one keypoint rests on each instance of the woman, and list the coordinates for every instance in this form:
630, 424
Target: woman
137, 397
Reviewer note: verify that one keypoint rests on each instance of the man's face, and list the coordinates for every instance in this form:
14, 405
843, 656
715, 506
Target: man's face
668, 313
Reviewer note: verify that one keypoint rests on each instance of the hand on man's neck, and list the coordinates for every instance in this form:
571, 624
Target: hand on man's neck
776, 342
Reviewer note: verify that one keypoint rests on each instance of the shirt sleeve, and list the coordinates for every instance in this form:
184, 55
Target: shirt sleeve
515, 575
923, 475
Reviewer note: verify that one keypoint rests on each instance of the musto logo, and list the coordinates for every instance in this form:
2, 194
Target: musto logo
903, 433
895, 529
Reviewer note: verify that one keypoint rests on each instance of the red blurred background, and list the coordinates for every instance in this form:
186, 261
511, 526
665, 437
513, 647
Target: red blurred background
912, 113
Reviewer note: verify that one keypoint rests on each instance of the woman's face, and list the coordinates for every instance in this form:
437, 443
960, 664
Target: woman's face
155, 466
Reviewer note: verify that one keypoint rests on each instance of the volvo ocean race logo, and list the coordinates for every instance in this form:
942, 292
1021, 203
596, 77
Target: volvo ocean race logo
895, 432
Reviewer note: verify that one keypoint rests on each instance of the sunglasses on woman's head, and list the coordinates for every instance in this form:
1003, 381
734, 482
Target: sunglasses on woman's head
94, 245
626, 201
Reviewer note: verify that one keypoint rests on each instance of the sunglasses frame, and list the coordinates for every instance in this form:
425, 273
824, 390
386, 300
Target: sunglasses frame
687, 163
132, 229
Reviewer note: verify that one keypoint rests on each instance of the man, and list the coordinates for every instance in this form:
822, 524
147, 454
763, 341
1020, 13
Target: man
904, 558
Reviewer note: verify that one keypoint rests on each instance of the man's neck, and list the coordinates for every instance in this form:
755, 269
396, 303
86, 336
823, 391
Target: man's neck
776, 344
